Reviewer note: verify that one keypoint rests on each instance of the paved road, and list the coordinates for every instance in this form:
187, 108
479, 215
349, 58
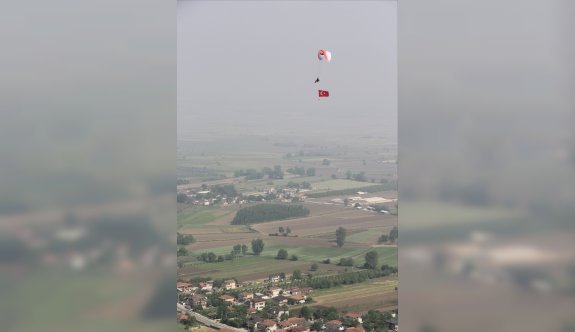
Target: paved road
206, 321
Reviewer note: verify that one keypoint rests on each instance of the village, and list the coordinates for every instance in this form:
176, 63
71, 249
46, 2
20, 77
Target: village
272, 310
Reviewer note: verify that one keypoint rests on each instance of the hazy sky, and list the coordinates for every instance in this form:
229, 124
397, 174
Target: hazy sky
257, 61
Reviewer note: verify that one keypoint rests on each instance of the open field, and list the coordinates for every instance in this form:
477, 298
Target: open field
256, 267
202, 215
248, 268
374, 294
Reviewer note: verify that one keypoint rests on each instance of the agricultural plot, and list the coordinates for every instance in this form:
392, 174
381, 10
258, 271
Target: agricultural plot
374, 294
340, 184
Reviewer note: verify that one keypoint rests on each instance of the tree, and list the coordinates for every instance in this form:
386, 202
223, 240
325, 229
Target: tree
282, 254
182, 251
383, 238
296, 274
393, 234
346, 201
293, 258
288, 230
310, 171
314, 267
325, 162
221, 258
257, 246
326, 261
182, 198
244, 249
281, 230
371, 259
305, 312
237, 249
185, 239
340, 234
348, 175
212, 257
317, 325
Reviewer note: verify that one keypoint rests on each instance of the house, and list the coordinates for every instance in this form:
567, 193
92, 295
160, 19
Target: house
227, 298
276, 277
278, 311
206, 286
299, 329
295, 291
355, 316
355, 329
297, 299
270, 325
334, 326
185, 287
293, 322
281, 299
258, 304
200, 300
230, 284
274, 291
244, 296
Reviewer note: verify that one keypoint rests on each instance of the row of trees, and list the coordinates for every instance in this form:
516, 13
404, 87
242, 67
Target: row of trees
283, 254
345, 262
391, 237
268, 212
284, 232
296, 185
300, 170
356, 177
184, 240
210, 257
252, 174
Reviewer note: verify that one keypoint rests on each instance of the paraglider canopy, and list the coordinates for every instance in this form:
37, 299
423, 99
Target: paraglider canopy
324, 55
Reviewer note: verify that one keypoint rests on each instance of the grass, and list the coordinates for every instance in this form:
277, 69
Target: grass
339, 184
201, 215
266, 261
244, 266
367, 237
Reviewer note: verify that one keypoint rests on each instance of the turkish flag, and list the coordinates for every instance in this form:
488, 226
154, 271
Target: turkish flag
323, 93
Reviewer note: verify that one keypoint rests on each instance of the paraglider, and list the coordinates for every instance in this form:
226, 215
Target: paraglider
322, 55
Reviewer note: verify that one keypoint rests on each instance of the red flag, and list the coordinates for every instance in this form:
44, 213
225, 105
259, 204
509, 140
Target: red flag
323, 93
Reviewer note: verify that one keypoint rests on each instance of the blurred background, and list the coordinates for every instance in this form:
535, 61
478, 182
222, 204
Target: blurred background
486, 166
486, 163
87, 159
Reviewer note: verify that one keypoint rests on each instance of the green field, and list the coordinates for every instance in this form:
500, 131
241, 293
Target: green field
340, 184
387, 255
202, 215
244, 266
315, 254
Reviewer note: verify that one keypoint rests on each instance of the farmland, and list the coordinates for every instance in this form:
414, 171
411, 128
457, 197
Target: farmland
312, 237
374, 294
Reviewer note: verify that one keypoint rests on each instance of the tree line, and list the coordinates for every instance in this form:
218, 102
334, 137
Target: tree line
253, 174
268, 212
391, 237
